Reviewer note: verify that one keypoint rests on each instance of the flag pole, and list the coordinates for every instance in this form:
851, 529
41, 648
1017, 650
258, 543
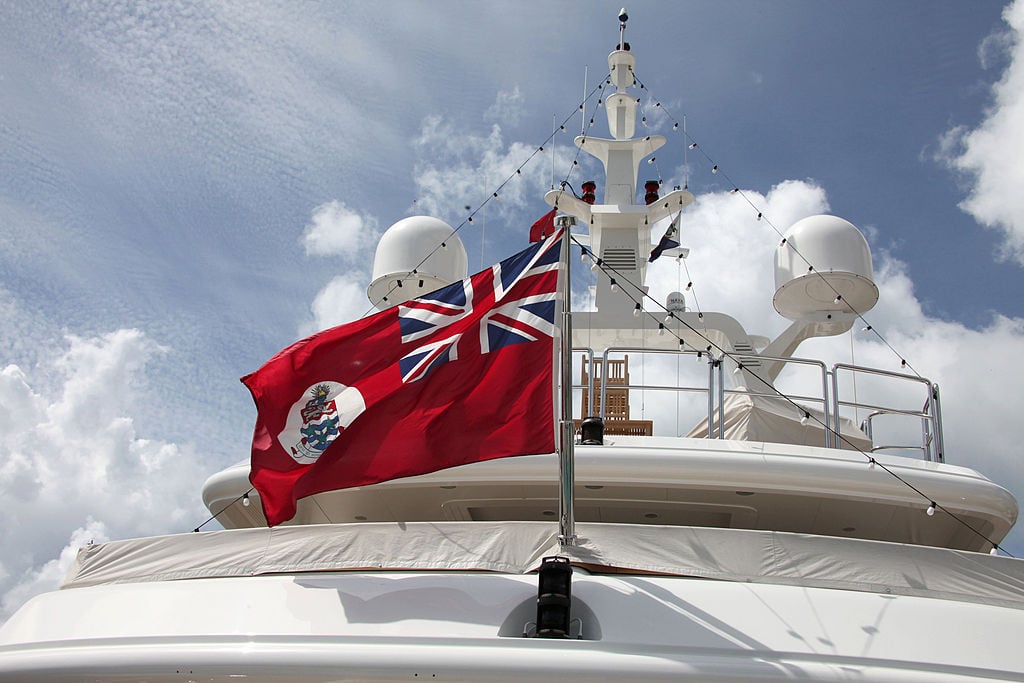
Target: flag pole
566, 473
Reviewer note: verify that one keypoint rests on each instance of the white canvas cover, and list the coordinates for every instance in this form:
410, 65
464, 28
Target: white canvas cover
518, 547
765, 418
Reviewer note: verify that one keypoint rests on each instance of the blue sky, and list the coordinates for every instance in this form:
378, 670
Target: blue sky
186, 188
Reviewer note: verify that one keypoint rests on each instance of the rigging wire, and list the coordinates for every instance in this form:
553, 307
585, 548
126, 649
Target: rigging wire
243, 497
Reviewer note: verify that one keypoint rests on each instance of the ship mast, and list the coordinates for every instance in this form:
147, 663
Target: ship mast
619, 227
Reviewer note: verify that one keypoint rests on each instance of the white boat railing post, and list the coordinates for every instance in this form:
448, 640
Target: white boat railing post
939, 450
566, 469
720, 366
711, 396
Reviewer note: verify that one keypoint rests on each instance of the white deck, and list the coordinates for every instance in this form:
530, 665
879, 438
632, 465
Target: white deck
746, 605
676, 481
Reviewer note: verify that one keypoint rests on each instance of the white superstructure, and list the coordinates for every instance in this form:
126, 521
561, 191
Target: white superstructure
778, 539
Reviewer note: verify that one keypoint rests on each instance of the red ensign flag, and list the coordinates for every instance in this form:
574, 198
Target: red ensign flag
459, 375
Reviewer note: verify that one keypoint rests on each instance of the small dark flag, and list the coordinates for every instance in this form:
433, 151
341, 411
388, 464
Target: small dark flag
669, 240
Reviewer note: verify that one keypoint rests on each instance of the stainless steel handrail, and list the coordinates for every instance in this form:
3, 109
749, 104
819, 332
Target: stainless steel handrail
589, 353
930, 424
932, 447
776, 393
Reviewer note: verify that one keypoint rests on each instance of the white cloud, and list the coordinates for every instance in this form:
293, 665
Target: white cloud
341, 300
731, 268
989, 155
507, 107
70, 458
457, 170
730, 264
49, 576
336, 230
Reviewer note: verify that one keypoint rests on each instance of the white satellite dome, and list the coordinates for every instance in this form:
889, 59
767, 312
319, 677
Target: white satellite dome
416, 255
841, 280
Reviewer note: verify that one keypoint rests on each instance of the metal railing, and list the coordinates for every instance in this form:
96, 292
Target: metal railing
931, 445
833, 408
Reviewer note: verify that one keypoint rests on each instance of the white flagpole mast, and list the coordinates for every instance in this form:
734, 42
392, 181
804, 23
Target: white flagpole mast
566, 473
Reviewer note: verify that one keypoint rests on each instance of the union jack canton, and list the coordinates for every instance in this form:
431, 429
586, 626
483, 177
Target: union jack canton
513, 302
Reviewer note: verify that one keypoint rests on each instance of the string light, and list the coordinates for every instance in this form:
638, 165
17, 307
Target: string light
805, 418
636, 311
614, 285
245, 500
931, 509
661, 329
871, 463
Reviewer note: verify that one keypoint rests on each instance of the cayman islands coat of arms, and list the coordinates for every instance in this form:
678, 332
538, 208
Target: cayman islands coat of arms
317, 419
